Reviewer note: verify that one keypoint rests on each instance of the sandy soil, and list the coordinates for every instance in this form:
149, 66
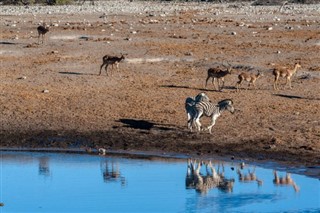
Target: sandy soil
51, 94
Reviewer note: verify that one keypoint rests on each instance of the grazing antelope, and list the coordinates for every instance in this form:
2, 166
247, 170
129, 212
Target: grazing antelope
110, 60
287, 180
284, 72
219, 74
251, 78
42, 30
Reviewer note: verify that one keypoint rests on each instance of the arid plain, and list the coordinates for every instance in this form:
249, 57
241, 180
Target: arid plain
52, 96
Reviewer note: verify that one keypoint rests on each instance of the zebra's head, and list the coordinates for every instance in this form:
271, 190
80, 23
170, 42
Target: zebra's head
226, 104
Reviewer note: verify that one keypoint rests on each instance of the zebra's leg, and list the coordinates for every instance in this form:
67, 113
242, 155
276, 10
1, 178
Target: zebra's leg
213, 122
189, 122
197, 121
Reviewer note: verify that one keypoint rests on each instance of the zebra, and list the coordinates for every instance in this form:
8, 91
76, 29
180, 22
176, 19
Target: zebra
209, 109
189, 106
202, 183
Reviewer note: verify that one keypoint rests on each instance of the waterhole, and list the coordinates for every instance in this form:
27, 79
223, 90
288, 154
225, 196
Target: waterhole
51, 182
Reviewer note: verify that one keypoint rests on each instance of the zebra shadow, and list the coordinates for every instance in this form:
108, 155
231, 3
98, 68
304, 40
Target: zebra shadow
143, 125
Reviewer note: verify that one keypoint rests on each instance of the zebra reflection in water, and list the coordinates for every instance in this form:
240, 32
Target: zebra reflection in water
202, 183
111, 172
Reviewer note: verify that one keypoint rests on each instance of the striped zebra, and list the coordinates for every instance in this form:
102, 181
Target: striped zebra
209, 109
189, 106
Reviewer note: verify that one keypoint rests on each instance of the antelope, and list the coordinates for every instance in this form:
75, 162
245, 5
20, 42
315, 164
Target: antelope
251, 78
219, 74
110, 60
42, 30
284, 72
287, 180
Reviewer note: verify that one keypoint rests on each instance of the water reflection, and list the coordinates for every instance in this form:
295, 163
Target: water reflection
97, 182
285, 181
111, 172
249, 176
44, 168
202, 183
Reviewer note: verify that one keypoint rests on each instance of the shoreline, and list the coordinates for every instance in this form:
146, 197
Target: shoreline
309, 171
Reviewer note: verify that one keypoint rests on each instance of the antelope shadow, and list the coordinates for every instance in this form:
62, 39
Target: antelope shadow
7, 43
195, 88
296, 97
75, 73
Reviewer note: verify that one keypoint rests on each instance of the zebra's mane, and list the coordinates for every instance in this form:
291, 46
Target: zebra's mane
224, 103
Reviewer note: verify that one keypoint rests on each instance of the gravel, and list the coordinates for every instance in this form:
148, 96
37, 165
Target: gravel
127, 7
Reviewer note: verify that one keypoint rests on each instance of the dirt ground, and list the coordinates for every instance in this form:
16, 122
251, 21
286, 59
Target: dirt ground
52, 96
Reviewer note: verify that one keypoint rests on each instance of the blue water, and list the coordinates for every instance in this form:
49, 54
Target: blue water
48, 182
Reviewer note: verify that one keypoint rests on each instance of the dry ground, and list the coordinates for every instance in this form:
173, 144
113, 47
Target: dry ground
141, 106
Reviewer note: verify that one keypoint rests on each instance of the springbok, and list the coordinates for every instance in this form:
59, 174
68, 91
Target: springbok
219, 74
251, 78
111, 60
284, 72
42, 30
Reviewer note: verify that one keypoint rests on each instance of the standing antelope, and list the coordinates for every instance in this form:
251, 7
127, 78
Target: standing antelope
284, 72
110, 60
251, 78
219, 74
42, 30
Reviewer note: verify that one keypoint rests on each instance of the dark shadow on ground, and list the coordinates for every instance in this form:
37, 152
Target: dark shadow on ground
7, 43
75, 73
143, 124
201, 89
296, 97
